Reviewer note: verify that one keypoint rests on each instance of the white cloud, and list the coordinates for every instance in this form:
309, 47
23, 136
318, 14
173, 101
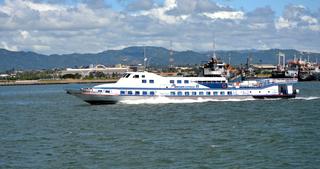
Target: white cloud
283, 23
24, 34
4, 45
309, 19
234, 15
80, 27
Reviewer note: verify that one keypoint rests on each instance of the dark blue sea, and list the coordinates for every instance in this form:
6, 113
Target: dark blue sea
42, 127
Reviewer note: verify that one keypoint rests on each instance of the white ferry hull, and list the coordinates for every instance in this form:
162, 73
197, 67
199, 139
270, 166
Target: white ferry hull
145, 85
108, 99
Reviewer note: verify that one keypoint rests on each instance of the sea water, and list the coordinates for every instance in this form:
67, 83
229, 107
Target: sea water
43, 127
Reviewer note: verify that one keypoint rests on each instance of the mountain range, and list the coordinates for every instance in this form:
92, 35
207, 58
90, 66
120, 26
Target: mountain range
157, 56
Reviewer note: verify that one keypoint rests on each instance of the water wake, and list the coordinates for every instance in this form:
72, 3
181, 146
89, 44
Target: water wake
307, 98
166, 100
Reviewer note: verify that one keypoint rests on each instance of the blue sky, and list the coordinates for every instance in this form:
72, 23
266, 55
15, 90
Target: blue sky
248, 5
276, 5
68, 26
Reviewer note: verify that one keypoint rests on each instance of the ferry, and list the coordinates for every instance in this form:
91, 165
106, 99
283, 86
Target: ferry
144, 85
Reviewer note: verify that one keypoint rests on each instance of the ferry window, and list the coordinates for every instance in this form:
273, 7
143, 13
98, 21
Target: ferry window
151, 81
221, 93
259, 91
144, 81
229, 93
171, 81
99, 91
215, 93
128, 75
137, 93
178, 81
186, 93
122, 92
152, 93
179, 93
129, 92
136, 76
268, 91
208, 93
144, 93
124, 75
200, 93
107, 91
186, 81
194, 93
172, 93
143, 76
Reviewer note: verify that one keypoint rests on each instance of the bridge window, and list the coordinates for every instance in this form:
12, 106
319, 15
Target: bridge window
172, 93
107, 91
215, 93
171, 81
208, 93
143, 76
151, 81
137, 93
122, 92
144, 93
201, 93
128, 75
186, 81
194, 93
179, 93
186, 93
129, 92
136, 76
152, 93
144, 81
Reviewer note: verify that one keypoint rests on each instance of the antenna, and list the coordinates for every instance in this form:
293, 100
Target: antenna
145, 58
171, 59
214, 49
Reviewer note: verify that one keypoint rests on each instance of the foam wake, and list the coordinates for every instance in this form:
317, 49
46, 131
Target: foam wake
307, 98
166, 100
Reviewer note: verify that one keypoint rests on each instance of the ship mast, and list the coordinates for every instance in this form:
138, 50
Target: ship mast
145, 58
214, 50
171, 60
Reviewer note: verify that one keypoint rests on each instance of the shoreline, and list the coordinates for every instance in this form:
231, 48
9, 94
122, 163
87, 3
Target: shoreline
51, 82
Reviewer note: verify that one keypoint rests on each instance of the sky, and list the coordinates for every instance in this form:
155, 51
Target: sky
91, 26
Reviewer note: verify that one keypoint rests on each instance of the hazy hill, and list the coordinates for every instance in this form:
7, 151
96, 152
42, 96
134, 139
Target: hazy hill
157, 56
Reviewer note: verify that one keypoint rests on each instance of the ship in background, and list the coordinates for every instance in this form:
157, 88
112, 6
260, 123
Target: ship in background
304, 70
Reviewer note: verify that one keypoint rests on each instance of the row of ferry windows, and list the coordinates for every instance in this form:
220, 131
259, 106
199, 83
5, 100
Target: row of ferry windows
173, 93
145, 81
151, 93
208, 93
180, 81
